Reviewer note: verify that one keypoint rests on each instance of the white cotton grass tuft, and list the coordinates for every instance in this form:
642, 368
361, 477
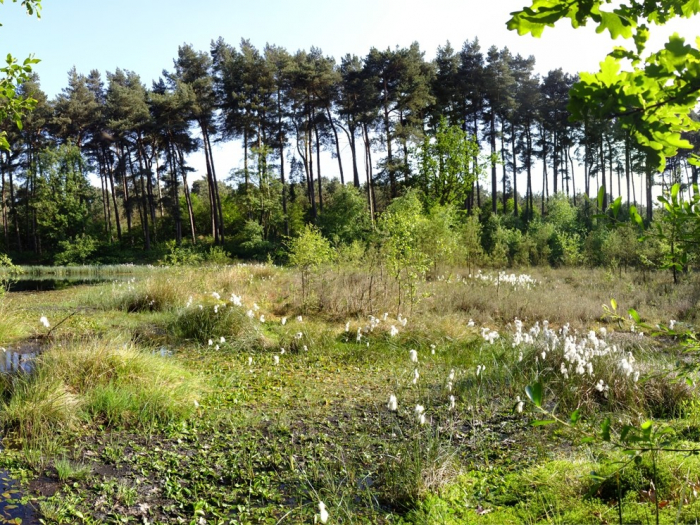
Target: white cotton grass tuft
393, 404
284, 321
300, 318
394, 331
420, 414
215, 296
276, 359
416, 376
519, 405
43, 320
413, 356
322, 512
210, 342
222, 339
452, 402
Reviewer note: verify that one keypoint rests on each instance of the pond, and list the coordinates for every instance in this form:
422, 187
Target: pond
47, 284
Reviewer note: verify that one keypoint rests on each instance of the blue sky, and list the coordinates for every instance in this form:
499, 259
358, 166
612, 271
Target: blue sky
143, 35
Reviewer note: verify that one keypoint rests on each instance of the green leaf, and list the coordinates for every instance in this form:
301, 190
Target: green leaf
543, 422
601, 197
534, 392
605, 429
575, 416
635, 316
615, 24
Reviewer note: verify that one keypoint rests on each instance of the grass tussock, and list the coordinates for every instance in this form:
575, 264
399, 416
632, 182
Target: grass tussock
154, 294
211, 322
101, 382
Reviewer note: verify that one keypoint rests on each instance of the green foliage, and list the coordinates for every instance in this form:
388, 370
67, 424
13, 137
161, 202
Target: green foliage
401, 227
76, 251
308, 252
448, 165
654, 97
181, 255
345, 217
9, 273
14, 105
65, 194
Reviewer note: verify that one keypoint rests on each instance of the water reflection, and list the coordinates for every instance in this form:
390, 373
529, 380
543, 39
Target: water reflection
18, 359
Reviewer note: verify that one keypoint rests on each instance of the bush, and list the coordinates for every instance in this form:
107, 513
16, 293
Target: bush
76, 251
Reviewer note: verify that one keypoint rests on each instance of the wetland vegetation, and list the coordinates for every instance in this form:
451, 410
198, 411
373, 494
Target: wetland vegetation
225, 394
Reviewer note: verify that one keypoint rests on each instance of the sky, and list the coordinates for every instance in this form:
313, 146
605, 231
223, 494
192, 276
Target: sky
143, 35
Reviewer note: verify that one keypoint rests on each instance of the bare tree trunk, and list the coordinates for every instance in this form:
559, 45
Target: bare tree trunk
337, 144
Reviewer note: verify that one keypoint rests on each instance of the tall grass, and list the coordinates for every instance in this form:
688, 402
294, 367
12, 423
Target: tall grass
102, 382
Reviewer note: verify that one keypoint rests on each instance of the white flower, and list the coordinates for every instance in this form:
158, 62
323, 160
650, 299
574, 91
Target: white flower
256, 307
394, 331
416, 376
215, 296
393, 404
210, 342
347, 326
236, 300
250, 314
196, 404
322, 512
216, 347
250, 361
43, 320
451, 377
276, 359
471, 322
449, 386
413, 356
306, 349
281, 351
520, 405
452, 402
671, 324
284, 321
299, 318
432, 349
216, 308
262, 318
298, 336
222, 339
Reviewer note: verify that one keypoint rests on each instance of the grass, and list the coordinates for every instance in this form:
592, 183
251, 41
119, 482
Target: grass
174, 429
101, 382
